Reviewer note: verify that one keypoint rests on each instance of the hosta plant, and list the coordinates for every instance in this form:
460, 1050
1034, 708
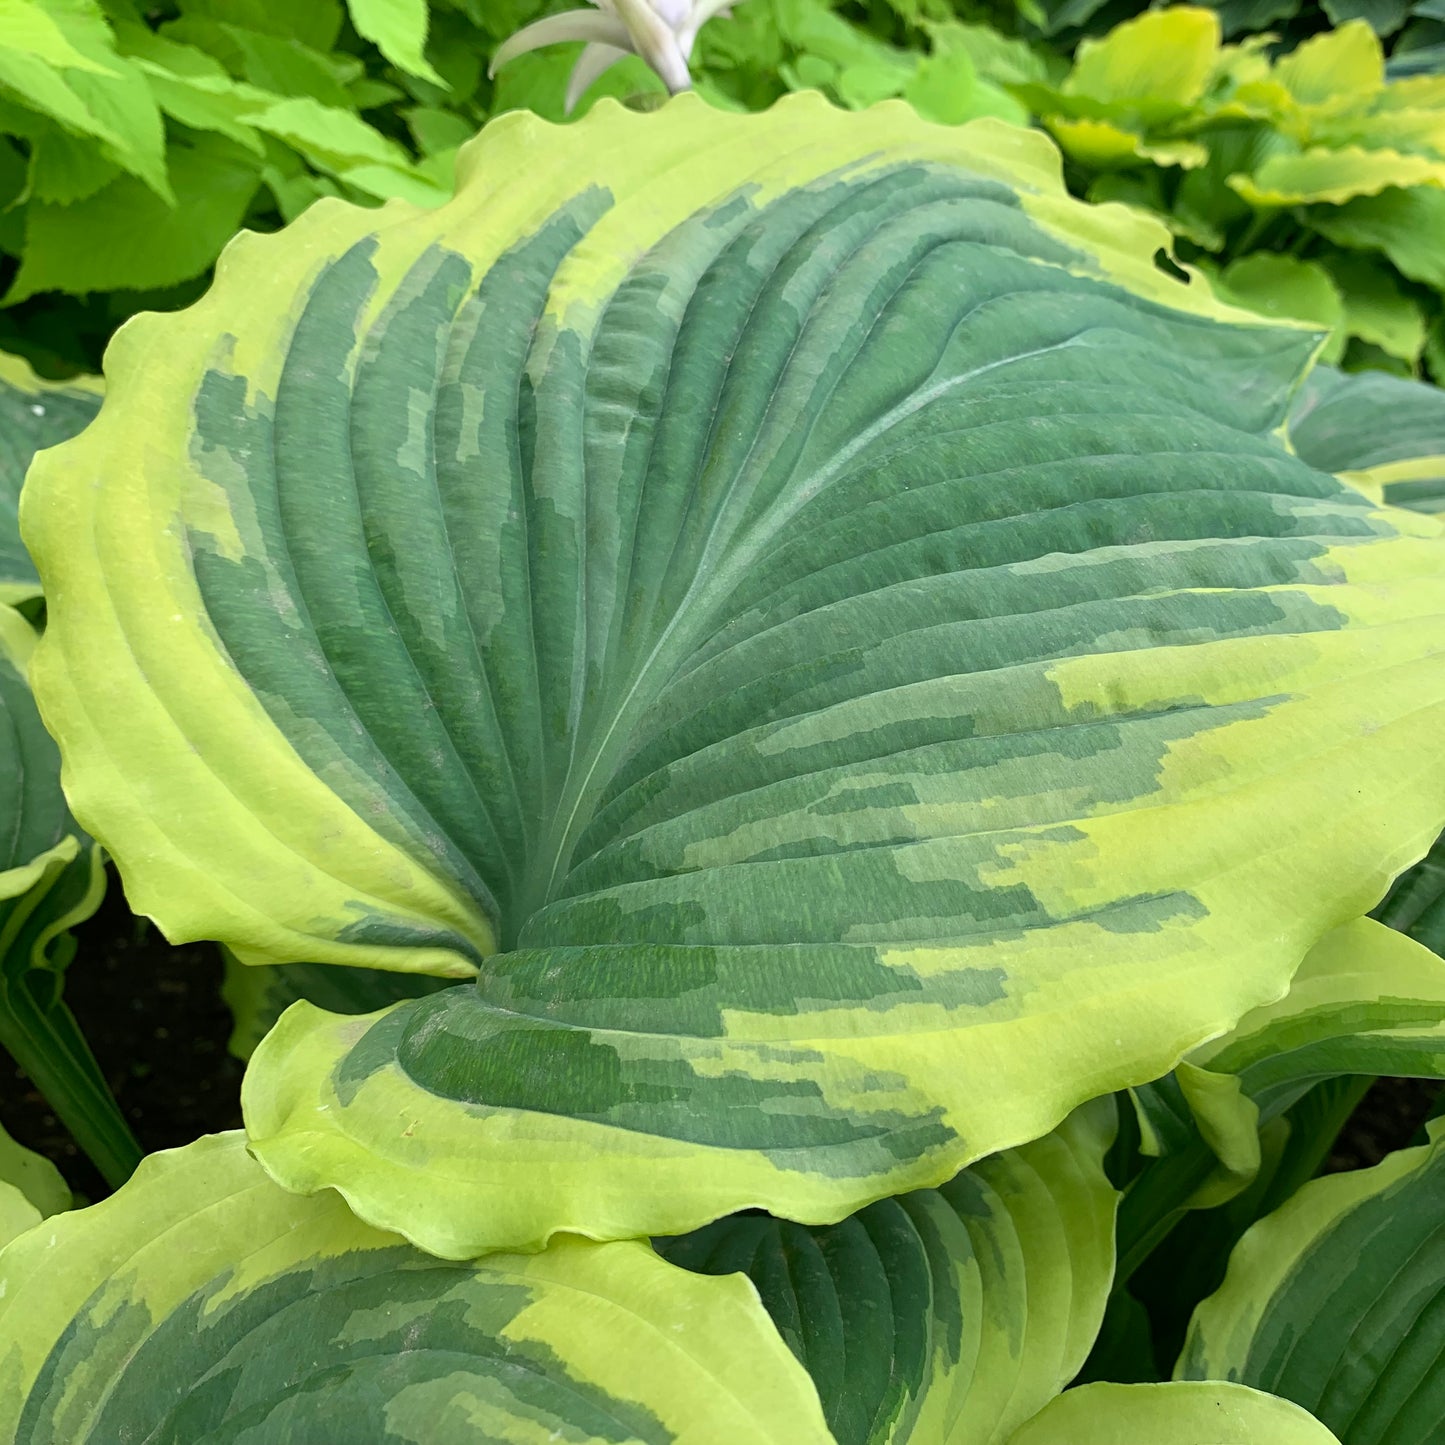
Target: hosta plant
832, 648
1310, 182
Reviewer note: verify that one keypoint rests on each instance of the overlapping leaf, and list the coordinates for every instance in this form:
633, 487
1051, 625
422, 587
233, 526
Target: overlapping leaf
817, 618
1383, 432
1335, 1301
203, 1303
945, 1316
33, 414
1205, 1413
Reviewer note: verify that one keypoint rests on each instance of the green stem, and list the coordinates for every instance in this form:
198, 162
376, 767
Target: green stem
49, 1047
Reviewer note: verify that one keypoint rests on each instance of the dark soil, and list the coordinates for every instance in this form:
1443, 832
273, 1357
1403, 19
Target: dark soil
158, 1028
155, 1019
1387, 1118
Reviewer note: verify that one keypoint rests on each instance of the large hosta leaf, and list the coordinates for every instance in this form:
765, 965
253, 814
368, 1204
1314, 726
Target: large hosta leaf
201, 1302
946, 1316
820, 604
33, 414
1337, 1301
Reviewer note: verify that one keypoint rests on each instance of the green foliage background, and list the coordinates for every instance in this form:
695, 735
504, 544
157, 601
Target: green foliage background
135, 139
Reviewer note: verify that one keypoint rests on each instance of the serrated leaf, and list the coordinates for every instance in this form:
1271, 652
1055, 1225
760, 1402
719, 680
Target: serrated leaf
148, 243
1335, 176
398, 28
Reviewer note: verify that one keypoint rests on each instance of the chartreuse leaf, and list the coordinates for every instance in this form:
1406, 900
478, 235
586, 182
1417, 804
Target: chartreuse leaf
1160, 61
946, 1316
31, 1189
33, 414
1334, 1301
258, 994
828, 632
1186, 1413
1384, 433
201, 1302
1335, 176
51, 877
1366, 1000
398, 27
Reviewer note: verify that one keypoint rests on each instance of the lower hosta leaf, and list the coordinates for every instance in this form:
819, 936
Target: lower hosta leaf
1337, 1301
812, 614
259, 994
201, 1302
1203, 1413
1381, 432
30, 1189
33, 414
51, 878
945, 1316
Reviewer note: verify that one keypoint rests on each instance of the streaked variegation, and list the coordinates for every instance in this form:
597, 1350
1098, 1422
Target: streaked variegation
201, 1302
1337, 1301
1383, 433
946, 1316
33, 414
815, 619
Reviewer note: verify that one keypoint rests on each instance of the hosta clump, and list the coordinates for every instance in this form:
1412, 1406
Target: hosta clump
813, 619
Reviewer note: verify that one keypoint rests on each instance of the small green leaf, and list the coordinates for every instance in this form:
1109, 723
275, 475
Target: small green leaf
1162, 60
1407, 225
398, 28
147, 243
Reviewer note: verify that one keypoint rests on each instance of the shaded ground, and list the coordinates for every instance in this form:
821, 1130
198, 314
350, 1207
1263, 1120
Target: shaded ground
156, 1022
154, 1016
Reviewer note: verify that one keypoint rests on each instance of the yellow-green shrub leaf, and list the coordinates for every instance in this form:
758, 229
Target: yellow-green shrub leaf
1335, 176
398, 28
1347, 64
828, 635
1161, 55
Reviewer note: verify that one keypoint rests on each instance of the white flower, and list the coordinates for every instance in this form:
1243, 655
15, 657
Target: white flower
660, 31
